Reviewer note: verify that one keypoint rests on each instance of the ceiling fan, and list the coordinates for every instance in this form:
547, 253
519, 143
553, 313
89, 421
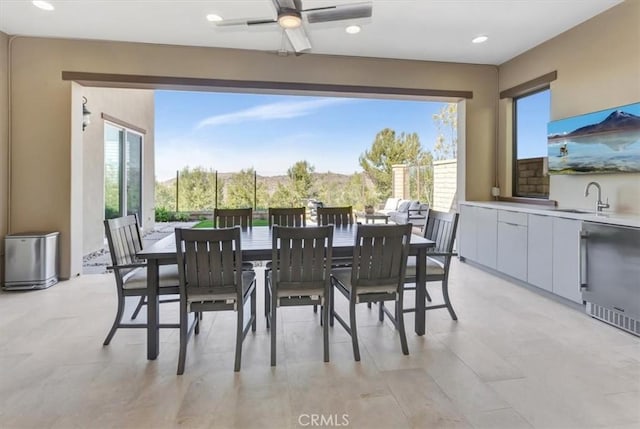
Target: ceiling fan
290, 13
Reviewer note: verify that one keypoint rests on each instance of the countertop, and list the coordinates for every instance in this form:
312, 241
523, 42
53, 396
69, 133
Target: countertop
584, 215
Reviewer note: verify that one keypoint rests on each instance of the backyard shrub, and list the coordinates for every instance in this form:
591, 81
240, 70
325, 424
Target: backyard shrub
162, 214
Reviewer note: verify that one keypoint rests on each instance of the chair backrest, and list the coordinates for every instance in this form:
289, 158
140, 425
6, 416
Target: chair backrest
380, 255
301, 256
123, 237
287, 216
209, 261
227, 218
337, 216
441, 228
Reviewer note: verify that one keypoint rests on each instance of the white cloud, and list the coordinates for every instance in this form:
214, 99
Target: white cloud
279, 110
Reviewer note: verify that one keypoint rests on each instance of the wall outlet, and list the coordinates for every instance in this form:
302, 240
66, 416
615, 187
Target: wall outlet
495, 191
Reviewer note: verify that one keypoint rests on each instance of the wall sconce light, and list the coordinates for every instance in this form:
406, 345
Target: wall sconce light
86, 114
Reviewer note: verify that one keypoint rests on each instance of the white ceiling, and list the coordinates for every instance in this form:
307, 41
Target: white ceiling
436, 30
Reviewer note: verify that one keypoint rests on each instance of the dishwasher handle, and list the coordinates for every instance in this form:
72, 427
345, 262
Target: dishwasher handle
584, 235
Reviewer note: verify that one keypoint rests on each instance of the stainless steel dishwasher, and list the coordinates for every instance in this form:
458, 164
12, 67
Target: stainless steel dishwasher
610, 274
31, 260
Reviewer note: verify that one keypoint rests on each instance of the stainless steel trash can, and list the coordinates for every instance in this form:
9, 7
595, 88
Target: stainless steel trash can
31, 260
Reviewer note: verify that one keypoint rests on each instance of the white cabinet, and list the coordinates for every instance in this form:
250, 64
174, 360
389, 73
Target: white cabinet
512, 244
487, 236
467, 232
539, 251
566, 258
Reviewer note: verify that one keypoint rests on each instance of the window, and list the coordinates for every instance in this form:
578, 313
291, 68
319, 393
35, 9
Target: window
122, 172
531, 113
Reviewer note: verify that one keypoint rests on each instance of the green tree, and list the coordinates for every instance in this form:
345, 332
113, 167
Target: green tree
301, 178
166, 195
446, 122
284, 196
239, 190
389, 149
197, 187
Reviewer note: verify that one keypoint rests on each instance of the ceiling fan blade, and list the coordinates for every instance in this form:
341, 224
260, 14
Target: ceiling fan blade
298, 38
341, 12
237, 22
285, 4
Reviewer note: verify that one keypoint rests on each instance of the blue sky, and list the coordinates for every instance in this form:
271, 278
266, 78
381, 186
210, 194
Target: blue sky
228, 132
533, 114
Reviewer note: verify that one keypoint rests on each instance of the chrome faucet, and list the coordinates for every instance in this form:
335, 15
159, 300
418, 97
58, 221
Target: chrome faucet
599, 204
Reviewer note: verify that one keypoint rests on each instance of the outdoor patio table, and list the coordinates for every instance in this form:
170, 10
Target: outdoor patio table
256, 246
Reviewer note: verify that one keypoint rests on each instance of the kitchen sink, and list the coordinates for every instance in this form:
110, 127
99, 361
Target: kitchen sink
573, 211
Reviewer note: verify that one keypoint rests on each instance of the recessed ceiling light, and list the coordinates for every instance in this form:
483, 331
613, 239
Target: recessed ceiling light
353, 29
480, 39
212, 17
44, 5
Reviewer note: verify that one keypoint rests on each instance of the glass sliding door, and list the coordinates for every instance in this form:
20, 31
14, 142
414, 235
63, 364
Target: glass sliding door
122, 172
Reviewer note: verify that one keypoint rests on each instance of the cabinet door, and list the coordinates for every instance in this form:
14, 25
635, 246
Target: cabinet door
539, 248
512, 250
487, 236
467, 232
566, 258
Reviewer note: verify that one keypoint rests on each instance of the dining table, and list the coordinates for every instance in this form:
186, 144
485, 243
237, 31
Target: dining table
256, 245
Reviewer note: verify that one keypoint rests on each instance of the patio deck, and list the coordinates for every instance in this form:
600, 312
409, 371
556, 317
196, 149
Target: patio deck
515, 359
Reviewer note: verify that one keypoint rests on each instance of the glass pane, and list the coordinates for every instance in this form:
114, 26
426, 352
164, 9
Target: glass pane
112, 172
532, 114
133, 175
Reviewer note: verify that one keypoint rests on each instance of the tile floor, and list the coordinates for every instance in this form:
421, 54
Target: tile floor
515, 359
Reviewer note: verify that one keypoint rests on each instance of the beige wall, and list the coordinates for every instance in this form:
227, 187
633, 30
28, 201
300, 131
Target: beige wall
46, 200
598, 65
135, 107
4, 142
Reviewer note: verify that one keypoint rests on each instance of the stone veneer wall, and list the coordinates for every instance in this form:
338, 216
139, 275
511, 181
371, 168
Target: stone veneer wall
445, 174
533, 177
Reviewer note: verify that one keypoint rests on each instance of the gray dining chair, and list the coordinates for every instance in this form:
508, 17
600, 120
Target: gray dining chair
287, 216
441, 228
300, 274
376, 275
212, 279
227, 218
124, 240
337, 216
282, 216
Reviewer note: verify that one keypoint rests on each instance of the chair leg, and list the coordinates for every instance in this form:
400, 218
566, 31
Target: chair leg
267, 297
273, 332
445, 294
368, 305
116, 322
254, 295
332, 308
315, 308
400, 323
184, 338
380, 310
196, 320
354, 329
426, 292
325, 330
142, 302
239, 337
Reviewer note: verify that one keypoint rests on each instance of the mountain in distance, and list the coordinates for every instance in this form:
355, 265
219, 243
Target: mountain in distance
616, 121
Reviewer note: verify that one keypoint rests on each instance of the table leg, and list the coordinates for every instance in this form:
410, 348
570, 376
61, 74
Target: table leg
153, 310
421, 285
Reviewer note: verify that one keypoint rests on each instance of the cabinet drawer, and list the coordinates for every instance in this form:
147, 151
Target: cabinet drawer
516, 218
